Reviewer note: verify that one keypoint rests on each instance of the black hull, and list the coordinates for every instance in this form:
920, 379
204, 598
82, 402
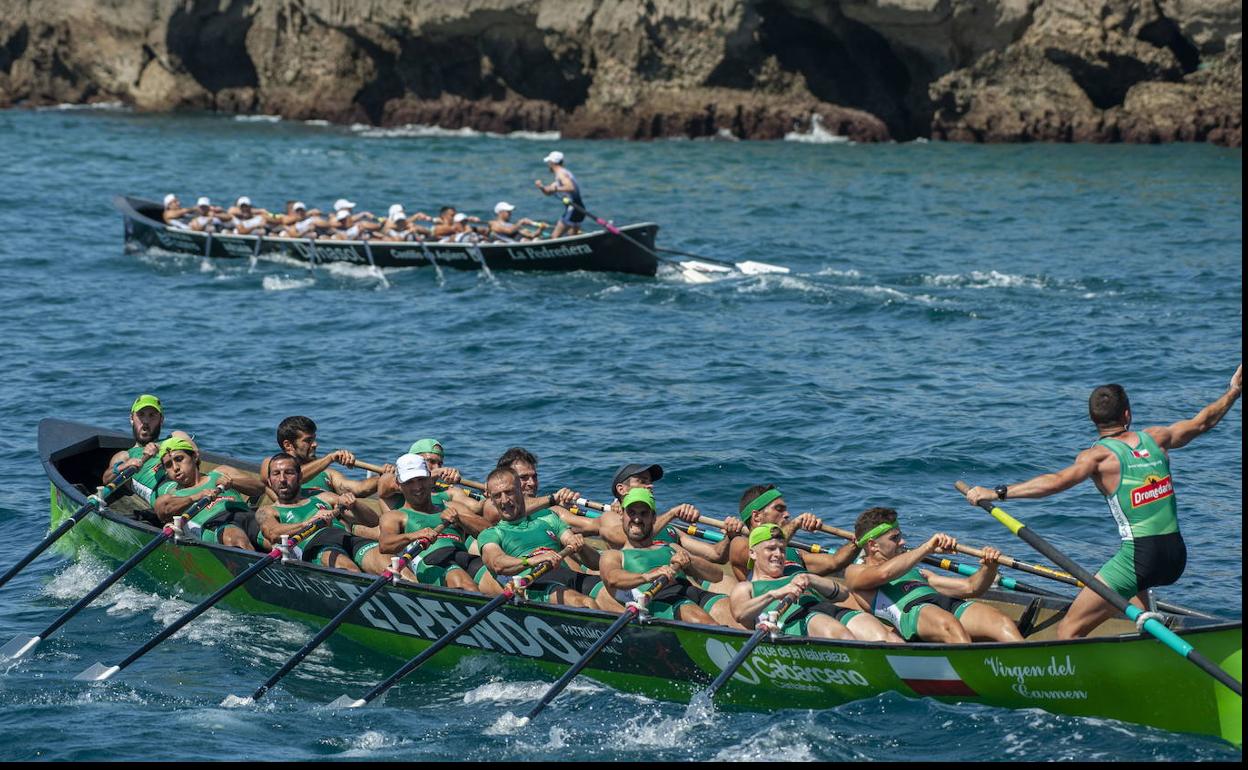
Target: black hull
597, 251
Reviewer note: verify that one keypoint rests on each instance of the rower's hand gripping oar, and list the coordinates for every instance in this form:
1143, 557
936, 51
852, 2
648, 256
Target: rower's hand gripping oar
705, 264
509, 591
389, 575
20, 645
1142, 620
766, 627
635, 609
98, 672
94, 502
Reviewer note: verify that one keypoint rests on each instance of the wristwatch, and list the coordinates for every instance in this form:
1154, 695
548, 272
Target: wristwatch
1001, 490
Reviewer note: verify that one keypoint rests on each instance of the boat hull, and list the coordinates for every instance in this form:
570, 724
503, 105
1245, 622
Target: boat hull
1127, 677
597, 251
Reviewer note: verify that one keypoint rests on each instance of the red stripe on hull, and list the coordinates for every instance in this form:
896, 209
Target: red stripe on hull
939, 687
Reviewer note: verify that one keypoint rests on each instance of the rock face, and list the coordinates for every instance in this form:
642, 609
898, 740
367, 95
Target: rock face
871, 70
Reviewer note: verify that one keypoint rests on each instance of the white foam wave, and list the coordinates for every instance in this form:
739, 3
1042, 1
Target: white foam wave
258, 118
649, 730
775, 745
420, 131
850, 273
507, 724
511, 692
316, 122
280, 283
349, 270
108, 106
817, 134
992, 279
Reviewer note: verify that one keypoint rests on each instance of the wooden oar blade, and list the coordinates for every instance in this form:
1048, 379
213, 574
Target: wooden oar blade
19, 646
347, 702
750, 267
97, 672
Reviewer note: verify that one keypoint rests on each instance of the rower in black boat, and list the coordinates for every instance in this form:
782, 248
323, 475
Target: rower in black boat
1131, 469
565, 184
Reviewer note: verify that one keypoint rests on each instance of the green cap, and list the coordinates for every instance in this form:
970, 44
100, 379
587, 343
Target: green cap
638, 495
426, 446
175, 443
764, 533
146, 399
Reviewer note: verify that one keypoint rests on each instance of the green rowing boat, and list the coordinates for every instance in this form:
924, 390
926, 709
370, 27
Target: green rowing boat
1117, 674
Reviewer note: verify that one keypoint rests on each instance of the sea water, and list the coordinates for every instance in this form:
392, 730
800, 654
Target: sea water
948, 310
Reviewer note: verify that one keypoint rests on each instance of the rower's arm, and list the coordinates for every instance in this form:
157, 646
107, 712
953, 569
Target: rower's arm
243, 482
957, 587
393, 538
1181, 433
746, 608
611, 528
272, 527
500, 563
313, 467
828, 563
358, 487
167, 507
119, 462
586, 554
864, 577
616, 578
706, 550
831, 589
1051, 483
582, 524
703, 569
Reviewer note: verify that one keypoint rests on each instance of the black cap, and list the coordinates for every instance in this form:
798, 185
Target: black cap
656, 473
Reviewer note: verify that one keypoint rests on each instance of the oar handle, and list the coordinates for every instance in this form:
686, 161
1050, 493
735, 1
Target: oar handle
536, 573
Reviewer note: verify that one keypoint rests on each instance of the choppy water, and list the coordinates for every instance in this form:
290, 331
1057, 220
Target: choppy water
950, 308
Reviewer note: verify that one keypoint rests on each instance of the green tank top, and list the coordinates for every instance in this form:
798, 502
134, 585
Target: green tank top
808, 597
793, 562
230, 500
1143, 504
521, 538
640, 560
148, 479
451, 537
297, 514
317, 484
895, 597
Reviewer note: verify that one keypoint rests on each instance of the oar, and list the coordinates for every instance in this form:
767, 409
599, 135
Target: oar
391, 573
634, 609
94, 502
346, 701
477, 485
1149, 624
20, 645
765, 628
747, 267
98, 672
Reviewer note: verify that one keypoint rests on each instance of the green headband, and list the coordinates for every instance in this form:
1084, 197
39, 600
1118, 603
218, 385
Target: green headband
175, 443
146, 400
759, 503
876, 532
638, 495
426, 446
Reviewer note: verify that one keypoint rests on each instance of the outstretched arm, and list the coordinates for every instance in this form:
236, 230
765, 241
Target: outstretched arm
1182, 432
1048, 483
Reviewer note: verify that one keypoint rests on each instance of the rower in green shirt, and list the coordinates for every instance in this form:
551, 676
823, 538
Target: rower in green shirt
764, 504
921, 605
445, 561
1131, 469
146, 419
629, 571
333, 546
229, 520
521, 541
819, 605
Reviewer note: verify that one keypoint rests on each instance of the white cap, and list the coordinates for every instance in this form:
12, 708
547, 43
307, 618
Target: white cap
170, 198
396, 208
298, 206
398, 216
343, 203
503, 206
410, 466
460, 217
243, 200
554, 157
203, 201
341, 214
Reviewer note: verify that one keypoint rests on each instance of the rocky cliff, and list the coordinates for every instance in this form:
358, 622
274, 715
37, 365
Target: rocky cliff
974, 70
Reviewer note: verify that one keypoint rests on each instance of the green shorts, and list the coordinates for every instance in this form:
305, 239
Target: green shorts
909, 625
1146, 562
796, 622
243, 521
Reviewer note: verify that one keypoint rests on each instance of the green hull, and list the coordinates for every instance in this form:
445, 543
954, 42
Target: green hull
1126, 677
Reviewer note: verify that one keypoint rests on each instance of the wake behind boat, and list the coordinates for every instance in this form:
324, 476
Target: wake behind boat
1116, 673
603, 251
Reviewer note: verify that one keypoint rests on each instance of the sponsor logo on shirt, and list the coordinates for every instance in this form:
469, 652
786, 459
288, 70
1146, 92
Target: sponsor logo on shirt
1153, 490
1140, 452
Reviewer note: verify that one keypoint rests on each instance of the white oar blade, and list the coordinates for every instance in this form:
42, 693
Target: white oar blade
693, 276
19, 646
347, 702
706, 267
750, 267
98, 672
